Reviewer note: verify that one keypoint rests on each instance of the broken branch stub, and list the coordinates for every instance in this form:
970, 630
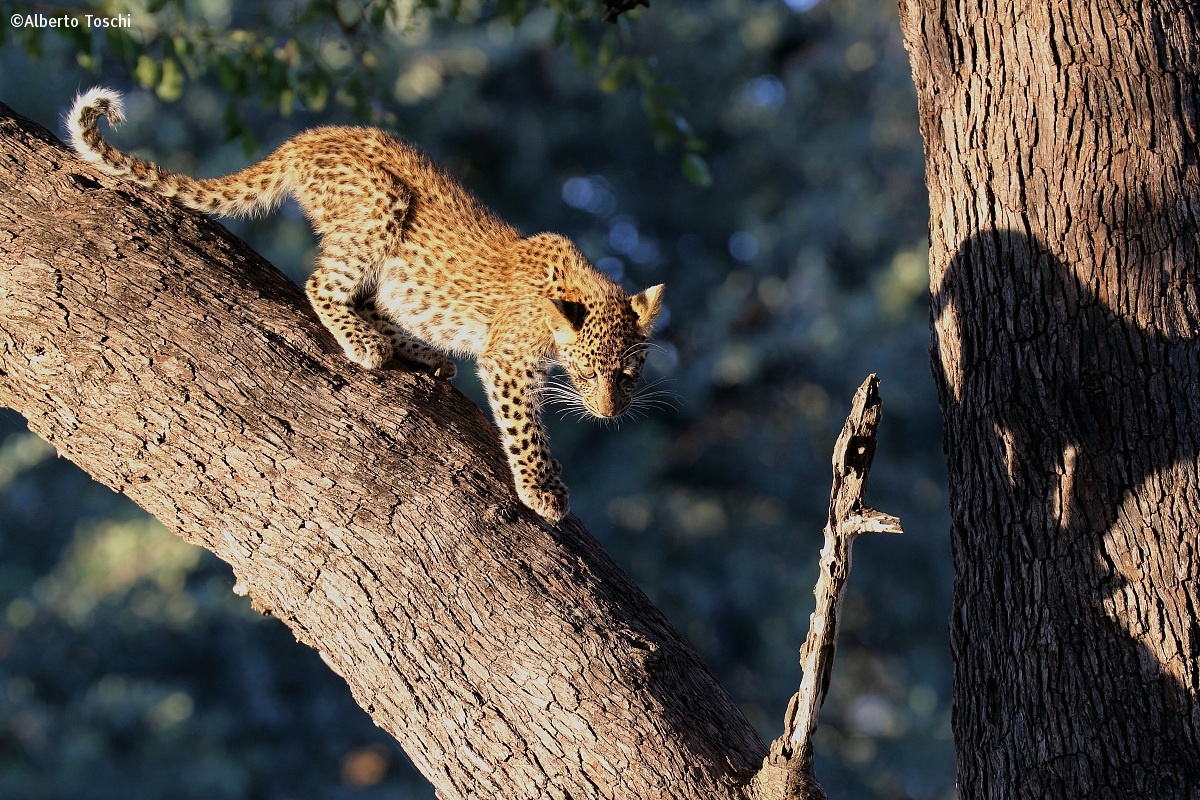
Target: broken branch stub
787, 773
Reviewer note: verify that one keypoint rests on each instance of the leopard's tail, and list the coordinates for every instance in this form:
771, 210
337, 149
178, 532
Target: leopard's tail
257, 188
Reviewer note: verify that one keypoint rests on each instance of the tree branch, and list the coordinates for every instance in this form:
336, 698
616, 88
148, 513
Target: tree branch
613, 9
372, 512
788, 771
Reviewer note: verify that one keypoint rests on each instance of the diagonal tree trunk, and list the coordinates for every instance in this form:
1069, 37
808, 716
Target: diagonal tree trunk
371, 512
1062, 166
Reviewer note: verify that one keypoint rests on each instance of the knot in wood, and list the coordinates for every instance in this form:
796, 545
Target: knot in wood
860, 451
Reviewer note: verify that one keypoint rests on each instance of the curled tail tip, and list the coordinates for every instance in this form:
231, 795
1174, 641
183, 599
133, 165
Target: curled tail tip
86, 111
104, 102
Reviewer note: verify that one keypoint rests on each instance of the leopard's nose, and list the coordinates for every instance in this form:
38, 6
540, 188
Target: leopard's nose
608, 403
607, 408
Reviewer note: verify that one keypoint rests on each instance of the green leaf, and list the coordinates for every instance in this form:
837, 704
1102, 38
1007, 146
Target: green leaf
379, 13
512, 10
170, 86
658, 114
608, 47
579, 46
695, 169
668, 92
616, 77
314, 94
82, 39
230, 76
644, 72
232, 124
182, 45
146, 71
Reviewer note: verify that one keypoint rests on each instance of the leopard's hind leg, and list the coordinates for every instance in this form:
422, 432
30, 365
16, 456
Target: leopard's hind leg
361, 224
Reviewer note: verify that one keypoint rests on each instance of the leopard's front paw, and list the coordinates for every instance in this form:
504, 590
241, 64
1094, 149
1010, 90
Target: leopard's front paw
547, 497
368, 350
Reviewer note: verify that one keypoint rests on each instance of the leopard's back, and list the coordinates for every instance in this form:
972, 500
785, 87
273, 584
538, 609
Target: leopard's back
343, 175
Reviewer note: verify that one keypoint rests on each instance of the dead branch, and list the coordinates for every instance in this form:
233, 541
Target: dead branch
787, 773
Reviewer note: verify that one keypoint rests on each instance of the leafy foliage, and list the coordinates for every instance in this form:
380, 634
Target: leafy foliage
315, 52
798, 270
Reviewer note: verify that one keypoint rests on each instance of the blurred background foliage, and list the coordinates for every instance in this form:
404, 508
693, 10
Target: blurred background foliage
760, 157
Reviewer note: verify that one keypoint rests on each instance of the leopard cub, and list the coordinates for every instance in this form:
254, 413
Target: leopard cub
412, 265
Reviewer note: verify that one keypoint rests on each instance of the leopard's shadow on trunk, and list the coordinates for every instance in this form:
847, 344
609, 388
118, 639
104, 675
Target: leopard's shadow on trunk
1072, 439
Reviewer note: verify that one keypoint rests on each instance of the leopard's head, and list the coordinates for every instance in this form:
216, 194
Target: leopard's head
602, 343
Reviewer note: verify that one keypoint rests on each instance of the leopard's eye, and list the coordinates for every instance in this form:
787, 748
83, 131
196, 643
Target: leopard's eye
587, 374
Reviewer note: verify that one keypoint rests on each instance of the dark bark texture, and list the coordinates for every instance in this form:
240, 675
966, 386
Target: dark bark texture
372, 512
1062, 166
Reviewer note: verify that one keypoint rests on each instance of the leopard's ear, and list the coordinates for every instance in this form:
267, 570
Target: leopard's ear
647, 305
559, 321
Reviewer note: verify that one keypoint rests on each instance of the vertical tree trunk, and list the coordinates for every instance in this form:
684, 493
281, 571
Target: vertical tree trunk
1064, 189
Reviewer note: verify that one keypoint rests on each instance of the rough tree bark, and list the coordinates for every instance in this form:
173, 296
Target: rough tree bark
371, 512
1062, 166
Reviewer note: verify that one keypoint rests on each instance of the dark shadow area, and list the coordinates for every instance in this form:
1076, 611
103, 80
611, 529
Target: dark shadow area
1072, 443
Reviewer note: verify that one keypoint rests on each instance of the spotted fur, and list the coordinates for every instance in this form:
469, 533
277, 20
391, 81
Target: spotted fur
412, 265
